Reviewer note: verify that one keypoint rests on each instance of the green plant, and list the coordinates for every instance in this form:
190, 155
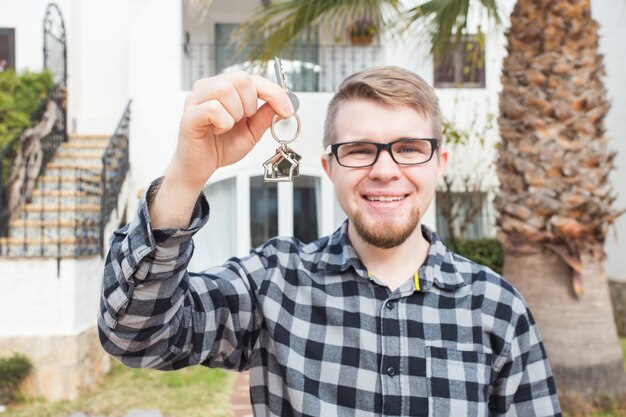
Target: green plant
20, 96
13, 370
486, 252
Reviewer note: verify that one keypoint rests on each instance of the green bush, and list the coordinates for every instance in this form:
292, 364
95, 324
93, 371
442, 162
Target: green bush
12, 371
486, 252
20, 96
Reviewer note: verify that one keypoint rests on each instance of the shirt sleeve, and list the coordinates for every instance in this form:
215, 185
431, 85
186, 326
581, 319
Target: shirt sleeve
155, 314
525, 385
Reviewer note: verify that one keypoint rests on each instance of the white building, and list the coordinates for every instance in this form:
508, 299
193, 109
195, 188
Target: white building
151, 51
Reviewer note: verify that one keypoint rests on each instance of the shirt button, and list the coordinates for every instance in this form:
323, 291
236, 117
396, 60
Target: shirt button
391, 371
390, 305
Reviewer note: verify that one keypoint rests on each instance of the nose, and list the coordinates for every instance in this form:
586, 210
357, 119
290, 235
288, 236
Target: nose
385, 169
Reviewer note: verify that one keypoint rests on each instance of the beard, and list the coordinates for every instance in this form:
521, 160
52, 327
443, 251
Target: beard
386, 234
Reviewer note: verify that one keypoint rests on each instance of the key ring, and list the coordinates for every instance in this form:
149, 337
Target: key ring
276, 138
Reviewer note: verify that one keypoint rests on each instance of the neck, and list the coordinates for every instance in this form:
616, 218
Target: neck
395, 265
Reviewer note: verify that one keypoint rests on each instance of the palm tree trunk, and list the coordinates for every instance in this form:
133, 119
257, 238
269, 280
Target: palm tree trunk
579, 333
554, 202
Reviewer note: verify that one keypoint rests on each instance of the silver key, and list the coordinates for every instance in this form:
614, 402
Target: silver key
280, 79
284, 165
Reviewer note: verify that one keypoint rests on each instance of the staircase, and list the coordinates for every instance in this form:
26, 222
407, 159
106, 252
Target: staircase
63, 216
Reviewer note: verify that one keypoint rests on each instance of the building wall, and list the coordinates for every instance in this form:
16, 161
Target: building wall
63, 366
98, 51
51, 319
97, 56
35, 300
611, 14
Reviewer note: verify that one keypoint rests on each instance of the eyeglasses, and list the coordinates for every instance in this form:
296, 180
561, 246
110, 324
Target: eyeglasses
405, 151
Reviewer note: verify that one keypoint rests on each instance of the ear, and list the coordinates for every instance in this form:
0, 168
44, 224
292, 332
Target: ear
443, 162
326, 164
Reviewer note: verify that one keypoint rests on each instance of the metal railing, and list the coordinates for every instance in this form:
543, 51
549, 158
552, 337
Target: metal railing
115, 165
49, 144
53, 228
309, 68
55, 224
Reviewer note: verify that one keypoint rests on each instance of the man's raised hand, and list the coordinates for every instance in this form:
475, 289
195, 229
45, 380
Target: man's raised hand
222, 122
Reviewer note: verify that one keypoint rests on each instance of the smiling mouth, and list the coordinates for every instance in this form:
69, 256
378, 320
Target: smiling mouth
384, 199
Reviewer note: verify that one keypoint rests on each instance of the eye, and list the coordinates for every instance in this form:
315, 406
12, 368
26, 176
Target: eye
408, 149
413, 147
357, 149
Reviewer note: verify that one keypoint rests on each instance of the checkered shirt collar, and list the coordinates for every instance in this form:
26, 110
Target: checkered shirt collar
439, 269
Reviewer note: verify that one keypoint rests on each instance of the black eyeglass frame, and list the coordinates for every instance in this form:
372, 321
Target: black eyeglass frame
332, 149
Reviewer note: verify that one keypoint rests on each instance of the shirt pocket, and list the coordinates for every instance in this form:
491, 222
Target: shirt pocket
458, 382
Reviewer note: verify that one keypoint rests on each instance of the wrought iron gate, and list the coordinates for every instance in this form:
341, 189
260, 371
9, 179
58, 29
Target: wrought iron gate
54, 46
55, 60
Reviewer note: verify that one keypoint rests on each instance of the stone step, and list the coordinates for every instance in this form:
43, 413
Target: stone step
71, 229
69, 207
73, 212
88, 160
90, 183
80, 153
97, 141
73, 164
75, 136
23, 223
42, 247
63, 193
88, 145
73, 171
65, 200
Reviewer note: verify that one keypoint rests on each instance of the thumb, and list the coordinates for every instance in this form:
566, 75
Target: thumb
261, 121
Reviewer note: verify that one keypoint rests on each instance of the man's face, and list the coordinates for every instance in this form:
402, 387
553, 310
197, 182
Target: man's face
384, 202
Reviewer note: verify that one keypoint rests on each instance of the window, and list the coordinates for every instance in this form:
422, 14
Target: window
263, 210
463, 66
7, 49
246, 211
468, 211
306, 206
264, 201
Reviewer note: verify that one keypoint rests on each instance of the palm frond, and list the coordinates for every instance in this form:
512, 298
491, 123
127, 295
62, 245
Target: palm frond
444, 21
276, 28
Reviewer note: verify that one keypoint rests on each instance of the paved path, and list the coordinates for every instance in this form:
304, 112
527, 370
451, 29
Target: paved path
241, 397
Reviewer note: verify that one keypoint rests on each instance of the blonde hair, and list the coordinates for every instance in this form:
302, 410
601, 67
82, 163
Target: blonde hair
388, 85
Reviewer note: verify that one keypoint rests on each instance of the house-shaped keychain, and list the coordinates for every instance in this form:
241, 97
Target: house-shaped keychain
283, 166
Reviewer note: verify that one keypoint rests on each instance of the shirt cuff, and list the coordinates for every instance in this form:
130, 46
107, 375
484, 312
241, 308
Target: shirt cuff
164, 244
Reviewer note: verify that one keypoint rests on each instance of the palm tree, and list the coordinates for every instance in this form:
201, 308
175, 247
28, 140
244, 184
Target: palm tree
555, 200
281, 22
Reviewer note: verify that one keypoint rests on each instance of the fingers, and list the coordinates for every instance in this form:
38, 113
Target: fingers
273, 94
210, 113
239, 93
261, 121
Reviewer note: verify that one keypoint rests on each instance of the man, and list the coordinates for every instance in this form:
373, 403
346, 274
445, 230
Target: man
377, 319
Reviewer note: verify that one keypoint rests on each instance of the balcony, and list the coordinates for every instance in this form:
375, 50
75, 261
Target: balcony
310, 68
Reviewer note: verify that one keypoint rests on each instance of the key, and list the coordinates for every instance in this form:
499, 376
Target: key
284, 165
280, 79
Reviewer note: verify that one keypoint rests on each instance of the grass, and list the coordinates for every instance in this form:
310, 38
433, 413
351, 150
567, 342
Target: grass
191, 392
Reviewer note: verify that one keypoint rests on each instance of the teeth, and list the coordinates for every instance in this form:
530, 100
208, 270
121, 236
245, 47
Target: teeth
384, 199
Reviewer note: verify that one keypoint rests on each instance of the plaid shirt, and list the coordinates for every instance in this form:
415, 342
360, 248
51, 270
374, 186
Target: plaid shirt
321, 337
